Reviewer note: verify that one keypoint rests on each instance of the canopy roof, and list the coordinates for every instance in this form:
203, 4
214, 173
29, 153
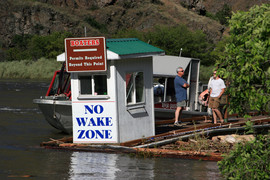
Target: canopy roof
166, 65
126, 48
132, 46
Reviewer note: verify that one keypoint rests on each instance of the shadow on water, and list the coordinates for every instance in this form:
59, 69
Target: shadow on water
23, 128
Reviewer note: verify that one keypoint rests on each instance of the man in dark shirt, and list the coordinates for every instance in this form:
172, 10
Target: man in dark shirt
180, 86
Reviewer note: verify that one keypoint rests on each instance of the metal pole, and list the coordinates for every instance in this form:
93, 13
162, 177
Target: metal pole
180, 52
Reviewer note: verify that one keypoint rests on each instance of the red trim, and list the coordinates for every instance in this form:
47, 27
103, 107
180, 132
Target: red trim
50, 87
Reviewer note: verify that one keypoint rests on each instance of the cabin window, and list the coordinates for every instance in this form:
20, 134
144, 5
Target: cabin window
159, 87
93, 85
170, 92
164, 89
60, 84
135, 92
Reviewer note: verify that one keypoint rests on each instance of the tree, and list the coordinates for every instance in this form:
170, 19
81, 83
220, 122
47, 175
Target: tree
36, 46
224, 14
172, 39
247, 61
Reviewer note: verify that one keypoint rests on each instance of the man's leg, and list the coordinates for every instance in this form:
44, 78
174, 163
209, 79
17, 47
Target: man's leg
214, 116
180, 114
219, 115
177, 112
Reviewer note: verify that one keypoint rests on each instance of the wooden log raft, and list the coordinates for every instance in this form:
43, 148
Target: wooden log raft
208, 156
66, 144
146, 152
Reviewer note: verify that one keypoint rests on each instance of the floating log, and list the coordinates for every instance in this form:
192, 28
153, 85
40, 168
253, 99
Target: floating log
209, 156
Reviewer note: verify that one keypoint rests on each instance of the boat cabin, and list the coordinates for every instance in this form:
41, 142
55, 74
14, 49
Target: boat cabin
164, 72
116, 105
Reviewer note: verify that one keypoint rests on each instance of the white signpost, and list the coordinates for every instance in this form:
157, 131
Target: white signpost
94, 122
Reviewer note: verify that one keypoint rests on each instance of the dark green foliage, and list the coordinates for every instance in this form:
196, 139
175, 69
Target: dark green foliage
224, 14
249, 127
157, 2
35, 46
172, 39
248, 161
92, 22
19, 45
219, 52
211, 16
245, 63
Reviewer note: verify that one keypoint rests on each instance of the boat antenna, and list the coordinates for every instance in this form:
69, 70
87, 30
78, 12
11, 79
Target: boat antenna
84, 31
180, 52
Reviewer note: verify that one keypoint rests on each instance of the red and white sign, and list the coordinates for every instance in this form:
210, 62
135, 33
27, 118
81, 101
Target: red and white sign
86, 54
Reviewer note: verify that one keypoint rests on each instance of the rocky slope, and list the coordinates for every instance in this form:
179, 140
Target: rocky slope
105, 17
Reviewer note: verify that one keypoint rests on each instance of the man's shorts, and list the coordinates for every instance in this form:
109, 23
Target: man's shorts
214, 102
182, 104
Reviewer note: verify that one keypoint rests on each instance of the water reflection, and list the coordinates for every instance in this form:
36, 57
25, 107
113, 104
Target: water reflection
109, 166
94, 165
86, 165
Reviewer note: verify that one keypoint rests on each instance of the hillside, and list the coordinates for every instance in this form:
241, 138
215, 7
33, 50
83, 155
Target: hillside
106, 17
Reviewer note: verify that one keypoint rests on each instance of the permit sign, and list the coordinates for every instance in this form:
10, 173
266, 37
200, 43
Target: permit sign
85, 54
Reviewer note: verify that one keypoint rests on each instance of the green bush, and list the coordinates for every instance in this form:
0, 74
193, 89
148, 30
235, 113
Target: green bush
206, 72
92, 22
34, 46
172, 39
248, 161
224, 14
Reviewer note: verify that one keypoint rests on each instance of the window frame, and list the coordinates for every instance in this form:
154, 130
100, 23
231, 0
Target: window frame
134, 89
92, 95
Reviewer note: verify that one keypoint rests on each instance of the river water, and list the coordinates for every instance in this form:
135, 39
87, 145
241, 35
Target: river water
23, 128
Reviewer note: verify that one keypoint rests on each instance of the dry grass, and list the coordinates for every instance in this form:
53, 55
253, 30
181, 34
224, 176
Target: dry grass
201, 144
26, 69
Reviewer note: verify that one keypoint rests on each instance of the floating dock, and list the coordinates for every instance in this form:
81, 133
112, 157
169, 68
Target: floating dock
154, 146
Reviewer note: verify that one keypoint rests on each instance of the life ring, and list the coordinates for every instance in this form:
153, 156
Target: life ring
203, 98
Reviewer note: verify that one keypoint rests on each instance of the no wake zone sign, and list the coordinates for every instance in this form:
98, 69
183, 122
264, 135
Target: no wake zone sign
85, 54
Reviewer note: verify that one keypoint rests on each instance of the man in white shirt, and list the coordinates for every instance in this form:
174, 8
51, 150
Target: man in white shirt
217, 88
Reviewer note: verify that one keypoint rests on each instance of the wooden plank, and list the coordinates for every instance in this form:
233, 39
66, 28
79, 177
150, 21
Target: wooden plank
164, 135
171, 121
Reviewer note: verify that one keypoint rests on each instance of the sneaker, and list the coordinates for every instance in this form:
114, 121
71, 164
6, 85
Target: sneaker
177, 124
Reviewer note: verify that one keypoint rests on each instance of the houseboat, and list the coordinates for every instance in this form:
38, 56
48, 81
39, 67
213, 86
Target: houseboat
56, 105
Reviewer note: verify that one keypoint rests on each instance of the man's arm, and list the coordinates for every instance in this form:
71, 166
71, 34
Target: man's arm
222, 91
186, 85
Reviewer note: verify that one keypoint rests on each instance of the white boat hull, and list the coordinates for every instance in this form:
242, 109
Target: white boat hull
58, 113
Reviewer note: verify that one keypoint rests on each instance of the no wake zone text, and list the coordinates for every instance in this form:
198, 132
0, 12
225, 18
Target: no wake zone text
99, 121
